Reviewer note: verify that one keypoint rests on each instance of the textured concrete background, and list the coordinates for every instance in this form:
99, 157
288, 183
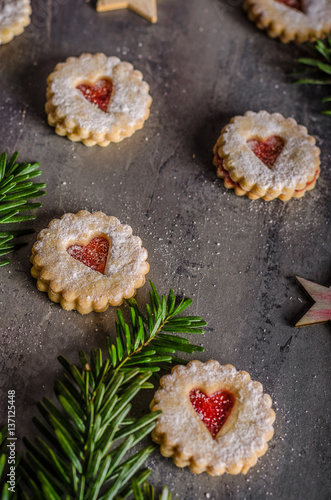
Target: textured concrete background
205, 62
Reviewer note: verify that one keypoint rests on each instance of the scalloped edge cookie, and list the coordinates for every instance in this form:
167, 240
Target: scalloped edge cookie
77, 286
289, 24
184, 437
294, 172
14, 17
74, 116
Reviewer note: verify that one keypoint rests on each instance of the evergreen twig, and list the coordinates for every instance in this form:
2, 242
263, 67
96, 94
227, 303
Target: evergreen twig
16, 188
86, 447
146, 492
320, 64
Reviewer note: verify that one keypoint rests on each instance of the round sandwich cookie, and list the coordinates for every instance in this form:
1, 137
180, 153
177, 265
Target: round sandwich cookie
214, 418
267, 156
97, 99
88, 261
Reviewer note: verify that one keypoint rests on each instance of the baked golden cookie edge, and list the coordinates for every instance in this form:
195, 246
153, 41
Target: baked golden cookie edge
74, 116
296, 168
183, 436
286, 23
72, 283
13, 23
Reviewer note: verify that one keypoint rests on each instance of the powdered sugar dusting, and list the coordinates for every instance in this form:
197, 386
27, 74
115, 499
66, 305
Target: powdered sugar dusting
295, 164
316, 14
243, 435
213, 409
93, 255
14, 16
130, 101
126, 263
12, 10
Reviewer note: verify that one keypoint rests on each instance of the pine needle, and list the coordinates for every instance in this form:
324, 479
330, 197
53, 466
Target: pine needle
16, 188
86, 447
319, 63
145, 491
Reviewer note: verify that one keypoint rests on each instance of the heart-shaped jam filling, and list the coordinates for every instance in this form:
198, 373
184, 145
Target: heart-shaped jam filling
267, 151
93, 255
213, 410
99, 94
293, 4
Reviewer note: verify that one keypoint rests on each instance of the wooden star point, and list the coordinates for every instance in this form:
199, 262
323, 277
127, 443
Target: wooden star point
145, 8
321, 310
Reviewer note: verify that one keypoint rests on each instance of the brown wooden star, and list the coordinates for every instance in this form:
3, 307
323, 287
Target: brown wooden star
321, 310
145, 8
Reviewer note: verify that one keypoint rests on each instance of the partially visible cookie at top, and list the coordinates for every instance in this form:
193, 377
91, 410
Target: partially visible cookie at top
267, 156
97, 99
14, 17
291, 20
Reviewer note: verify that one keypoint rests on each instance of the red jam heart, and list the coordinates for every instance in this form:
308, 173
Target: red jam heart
267, 151
213, 410
93, 255
293, 4
99, 94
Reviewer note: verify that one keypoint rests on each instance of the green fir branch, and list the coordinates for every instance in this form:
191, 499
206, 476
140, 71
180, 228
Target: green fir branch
16, 189
319, 64
86, 446
146, 492
148, 343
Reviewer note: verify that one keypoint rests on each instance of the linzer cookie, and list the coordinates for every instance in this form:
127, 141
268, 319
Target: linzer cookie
291, 20
214, 418
264, 155
88, 261
97, 99
14, 17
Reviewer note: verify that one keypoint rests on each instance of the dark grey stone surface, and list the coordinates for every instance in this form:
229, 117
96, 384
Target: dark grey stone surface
205, 62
